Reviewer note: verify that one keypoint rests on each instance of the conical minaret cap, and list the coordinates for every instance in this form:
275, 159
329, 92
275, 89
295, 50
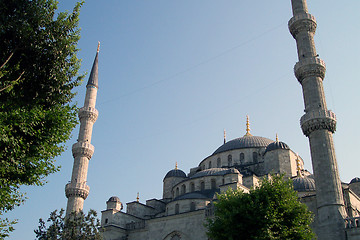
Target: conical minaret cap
93, 79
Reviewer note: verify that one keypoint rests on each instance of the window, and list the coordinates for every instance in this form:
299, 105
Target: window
177, 209
106, 221
218, 164
242, 158
192, 187
229, 160
192, 206
177, 191
213, 183
210, 164
183, 189
255, 157
202, 186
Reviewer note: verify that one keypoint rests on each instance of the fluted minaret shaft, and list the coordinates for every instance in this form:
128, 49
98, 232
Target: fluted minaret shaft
318, 124
77, 190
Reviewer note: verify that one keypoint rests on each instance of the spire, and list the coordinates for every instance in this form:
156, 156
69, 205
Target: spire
224, 136
137, 197
298, 169
247, 127
93, 79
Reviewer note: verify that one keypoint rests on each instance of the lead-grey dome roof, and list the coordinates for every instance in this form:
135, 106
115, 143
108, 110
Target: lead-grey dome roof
215, 172
355, 180
276, 145
244, 142
304, 184
114, 199
175, 173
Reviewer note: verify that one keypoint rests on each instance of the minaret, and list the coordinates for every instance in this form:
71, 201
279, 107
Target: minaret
318, 124
76, 191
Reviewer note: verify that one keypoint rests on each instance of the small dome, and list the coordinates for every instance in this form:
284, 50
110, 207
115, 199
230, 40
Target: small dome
114, 199
175, 173
304, 184
276, 145
355, 180
215, 172
244, 142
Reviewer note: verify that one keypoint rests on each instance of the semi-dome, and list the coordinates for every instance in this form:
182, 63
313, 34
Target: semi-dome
215, 172
276, 145
304, 184
355, 180
175, 173
247, 141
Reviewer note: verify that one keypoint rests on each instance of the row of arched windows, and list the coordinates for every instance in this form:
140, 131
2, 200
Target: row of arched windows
182, 189
230, 160
192, 207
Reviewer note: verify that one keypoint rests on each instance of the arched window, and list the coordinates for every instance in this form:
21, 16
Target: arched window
255, 157
210, 164
213, 183
192, 206
177, 192
177, 209
202, 185
218, 164
229, 160
183, 189
242, 158
192, 187
106, 220
223, 181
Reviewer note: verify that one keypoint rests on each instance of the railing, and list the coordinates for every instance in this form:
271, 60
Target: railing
352, 222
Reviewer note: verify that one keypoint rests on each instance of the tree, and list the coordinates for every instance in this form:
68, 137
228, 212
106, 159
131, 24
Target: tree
270, 211
75, 226
38, 70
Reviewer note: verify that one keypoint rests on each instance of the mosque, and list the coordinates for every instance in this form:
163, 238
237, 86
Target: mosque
241, 163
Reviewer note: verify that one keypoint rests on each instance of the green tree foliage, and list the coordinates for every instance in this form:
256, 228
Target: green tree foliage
75, 226
38, 70
270, 211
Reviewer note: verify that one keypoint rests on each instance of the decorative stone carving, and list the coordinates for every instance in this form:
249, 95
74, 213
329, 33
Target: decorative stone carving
309, 67
89, 113
318, 120
83, 149
77, 190
304, 22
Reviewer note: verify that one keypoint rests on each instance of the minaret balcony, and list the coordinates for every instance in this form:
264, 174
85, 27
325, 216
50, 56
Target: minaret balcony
77, 190
310, 67
83, 149
303, 22
318, 120
88, 113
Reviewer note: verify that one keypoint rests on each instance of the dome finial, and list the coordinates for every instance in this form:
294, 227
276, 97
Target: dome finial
137, 197
176, 166
98, 49
224, 136
277, 137
247, 126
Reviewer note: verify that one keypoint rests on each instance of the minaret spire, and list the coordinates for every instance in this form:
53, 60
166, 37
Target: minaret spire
77, 190
318, 124
224, 136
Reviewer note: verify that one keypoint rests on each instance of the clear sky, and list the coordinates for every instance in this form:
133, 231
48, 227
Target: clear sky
174, 74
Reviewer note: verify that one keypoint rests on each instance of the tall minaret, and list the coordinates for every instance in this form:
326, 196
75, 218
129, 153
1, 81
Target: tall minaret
76, 191
318, 124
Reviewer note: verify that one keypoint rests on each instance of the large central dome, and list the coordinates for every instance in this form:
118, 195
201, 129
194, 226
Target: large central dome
247, 141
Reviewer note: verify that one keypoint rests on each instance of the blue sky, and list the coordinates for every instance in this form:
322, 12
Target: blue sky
174, 74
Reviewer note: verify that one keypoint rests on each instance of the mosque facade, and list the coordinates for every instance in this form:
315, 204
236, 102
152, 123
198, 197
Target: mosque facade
241, 163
